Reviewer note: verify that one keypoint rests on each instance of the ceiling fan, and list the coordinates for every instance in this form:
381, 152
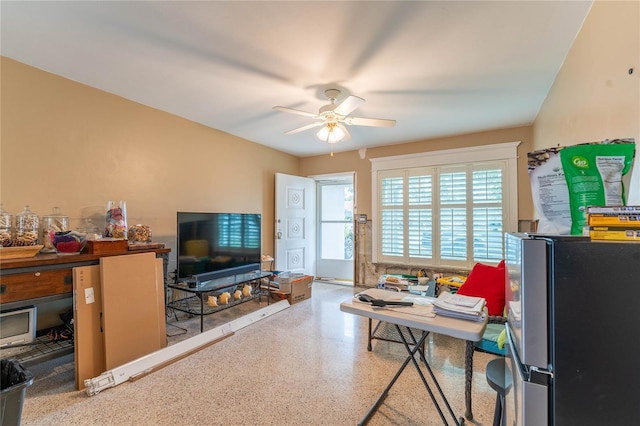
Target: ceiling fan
333, 117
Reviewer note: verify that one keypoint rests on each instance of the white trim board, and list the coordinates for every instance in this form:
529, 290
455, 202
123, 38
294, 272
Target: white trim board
149, 363
472, 154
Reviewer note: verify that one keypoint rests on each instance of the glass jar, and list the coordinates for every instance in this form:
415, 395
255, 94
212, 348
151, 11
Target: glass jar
55, 222
116, 220
139, 234
91, 230
6, 228
27, 227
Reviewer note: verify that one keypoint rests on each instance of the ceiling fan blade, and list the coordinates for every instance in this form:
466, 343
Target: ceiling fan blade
303, 128
295, 111
348, 105
374, 122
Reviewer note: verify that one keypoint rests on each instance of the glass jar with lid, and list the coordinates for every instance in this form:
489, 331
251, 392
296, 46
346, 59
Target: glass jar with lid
6, 228
91, 230
27, 227
55, 222
139, 234
116, 220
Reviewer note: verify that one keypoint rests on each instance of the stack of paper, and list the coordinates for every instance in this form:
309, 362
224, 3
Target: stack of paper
459, 306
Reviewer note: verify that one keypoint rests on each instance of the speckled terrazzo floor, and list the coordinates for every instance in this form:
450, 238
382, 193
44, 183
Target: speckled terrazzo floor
305, 365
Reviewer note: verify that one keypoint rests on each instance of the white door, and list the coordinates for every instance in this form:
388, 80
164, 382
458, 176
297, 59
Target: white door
335, 251
295, 224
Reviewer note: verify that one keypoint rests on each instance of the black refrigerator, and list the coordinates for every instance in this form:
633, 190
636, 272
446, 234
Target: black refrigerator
573, 331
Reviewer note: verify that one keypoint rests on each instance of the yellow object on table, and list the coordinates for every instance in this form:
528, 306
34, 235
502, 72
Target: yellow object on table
452, 281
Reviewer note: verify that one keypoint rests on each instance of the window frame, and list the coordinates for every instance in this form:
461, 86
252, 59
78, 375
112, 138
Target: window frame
501, 152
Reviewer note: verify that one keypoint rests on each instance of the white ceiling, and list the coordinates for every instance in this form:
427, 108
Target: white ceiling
437, 67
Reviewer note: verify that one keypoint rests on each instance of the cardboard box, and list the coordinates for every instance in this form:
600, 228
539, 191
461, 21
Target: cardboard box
300, 289
614, 233
620, 220
613, 210
619, 216
107, 246
297, 290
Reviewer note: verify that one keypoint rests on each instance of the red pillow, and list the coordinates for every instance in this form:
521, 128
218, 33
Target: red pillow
489, 282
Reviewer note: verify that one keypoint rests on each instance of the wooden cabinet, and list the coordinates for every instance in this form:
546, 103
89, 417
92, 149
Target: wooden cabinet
46, 280
35, 284
47, 275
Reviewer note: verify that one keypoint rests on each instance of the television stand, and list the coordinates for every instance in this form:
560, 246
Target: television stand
195, 303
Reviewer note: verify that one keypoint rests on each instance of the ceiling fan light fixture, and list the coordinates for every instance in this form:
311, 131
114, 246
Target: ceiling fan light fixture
331, 133
335, 117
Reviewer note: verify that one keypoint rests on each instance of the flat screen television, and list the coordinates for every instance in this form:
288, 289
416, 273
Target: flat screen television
217, 245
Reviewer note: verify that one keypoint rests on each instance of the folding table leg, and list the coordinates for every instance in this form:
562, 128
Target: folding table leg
417, 348
457, 421
384, 393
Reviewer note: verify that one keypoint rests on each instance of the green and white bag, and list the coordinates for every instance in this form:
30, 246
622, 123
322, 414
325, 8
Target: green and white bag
594, 177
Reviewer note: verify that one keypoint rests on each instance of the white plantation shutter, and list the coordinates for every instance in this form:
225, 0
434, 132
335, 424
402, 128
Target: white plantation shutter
453, 213
392, 218
446, 214
487, 181
420, 213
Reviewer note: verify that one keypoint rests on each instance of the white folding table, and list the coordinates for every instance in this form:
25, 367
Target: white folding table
416, 319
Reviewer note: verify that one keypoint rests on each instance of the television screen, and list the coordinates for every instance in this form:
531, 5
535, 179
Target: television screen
211, 244
17, 326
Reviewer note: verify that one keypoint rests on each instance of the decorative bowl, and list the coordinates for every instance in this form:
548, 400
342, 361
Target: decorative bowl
68, 242
18, 252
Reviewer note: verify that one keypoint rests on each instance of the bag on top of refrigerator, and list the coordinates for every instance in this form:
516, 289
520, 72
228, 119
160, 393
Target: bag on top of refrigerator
594, 177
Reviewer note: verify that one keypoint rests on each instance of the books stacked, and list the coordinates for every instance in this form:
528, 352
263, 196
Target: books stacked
618, 223
459, 306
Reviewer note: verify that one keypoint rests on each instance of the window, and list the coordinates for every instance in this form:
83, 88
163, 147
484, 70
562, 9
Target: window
336, 221
445, 208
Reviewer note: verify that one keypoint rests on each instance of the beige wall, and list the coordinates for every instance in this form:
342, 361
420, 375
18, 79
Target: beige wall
69, 145
350, 161
594, 97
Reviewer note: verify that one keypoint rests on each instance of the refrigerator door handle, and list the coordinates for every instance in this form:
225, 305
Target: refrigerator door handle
527, 402
540, 376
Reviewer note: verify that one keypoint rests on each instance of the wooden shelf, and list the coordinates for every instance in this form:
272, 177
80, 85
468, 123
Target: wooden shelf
46, 259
